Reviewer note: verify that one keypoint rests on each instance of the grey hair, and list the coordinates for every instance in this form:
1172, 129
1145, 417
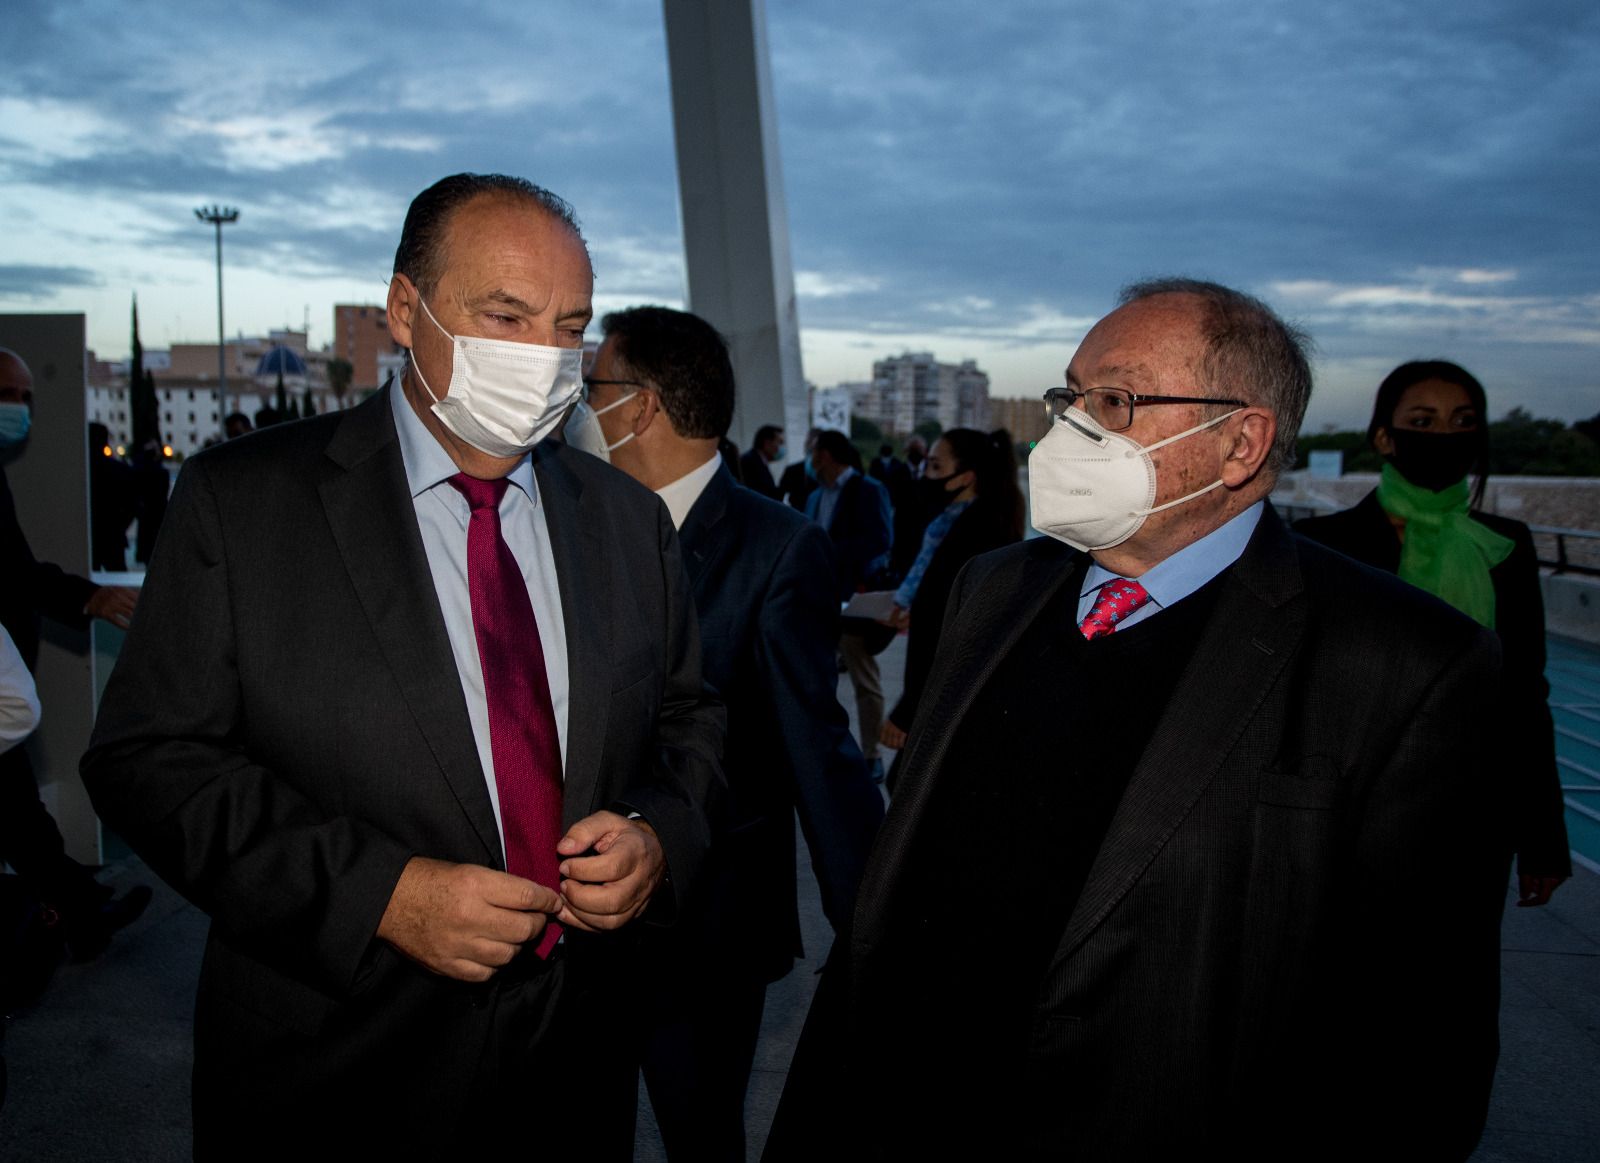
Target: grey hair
1250, 352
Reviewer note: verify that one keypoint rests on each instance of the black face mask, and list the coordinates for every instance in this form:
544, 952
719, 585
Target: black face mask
934, 497
1432, 460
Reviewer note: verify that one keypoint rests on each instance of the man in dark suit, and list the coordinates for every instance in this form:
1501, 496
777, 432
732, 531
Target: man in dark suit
754, 466
1191, 855
412, 708
855, 511
798, 481
762, 579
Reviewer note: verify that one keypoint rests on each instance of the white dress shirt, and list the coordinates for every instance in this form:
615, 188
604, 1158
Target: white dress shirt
443, 516
681, 494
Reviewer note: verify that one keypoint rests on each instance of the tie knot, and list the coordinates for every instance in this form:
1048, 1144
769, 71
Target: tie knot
1118, 598
480, 494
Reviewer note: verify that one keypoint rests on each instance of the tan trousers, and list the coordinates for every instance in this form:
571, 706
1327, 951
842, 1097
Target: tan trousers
862, 667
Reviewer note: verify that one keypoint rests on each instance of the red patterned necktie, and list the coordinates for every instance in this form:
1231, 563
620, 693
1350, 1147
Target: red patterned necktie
1118, 598
522, 720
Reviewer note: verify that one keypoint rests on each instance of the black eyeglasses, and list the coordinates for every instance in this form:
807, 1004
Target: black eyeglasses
1112, 408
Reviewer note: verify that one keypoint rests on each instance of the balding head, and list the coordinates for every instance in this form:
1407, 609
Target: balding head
16, 381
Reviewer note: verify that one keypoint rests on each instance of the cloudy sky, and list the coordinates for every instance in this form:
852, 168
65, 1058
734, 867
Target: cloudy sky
971, 177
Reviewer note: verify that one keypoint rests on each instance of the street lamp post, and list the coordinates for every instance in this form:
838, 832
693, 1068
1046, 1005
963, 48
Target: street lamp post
217, 215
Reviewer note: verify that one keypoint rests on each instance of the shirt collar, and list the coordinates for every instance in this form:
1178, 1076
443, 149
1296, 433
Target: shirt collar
427, 463
1183, 573
681, 494
838, 481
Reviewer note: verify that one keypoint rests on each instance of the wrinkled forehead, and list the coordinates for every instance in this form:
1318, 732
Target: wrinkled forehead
1146, 344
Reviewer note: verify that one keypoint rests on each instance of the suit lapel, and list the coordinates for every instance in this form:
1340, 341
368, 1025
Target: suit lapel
698, 537
1247, 642
993, 626
584, 577
369, 510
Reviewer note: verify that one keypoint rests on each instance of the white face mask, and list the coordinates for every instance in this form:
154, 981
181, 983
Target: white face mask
1093, 489
583, 429
504, 397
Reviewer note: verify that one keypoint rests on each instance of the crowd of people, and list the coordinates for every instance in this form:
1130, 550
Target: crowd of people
483, 746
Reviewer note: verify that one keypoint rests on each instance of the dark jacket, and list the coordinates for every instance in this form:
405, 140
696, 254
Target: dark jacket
860, 531
761, 578
285, 728
1525, 729
981, 527
1288, 941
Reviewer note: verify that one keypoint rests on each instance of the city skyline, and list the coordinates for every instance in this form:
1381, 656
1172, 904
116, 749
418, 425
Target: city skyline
978, 182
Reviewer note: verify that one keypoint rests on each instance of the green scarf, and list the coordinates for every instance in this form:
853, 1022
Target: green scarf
1444, 551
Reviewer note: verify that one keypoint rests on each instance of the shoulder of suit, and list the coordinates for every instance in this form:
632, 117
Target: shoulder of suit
1365, 599
279, 448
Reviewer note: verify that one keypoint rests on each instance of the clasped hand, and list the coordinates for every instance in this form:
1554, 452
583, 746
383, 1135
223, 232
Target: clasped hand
466, 921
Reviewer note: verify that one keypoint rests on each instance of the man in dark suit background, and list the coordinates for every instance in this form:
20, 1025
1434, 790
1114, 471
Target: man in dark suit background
1191, 854
766, 449
384, 656
763, 586
855, 511
798, 481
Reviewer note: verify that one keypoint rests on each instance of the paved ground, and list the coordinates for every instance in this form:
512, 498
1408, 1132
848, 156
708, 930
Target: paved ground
100, 1067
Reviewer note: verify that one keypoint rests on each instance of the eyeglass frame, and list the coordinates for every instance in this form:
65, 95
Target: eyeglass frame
1135, 400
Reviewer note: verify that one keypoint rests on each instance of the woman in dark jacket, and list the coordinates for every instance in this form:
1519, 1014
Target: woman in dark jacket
974, 505
1422, 522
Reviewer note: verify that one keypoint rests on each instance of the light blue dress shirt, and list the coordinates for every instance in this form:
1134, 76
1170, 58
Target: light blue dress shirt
443, 515
828, 497
1181, 574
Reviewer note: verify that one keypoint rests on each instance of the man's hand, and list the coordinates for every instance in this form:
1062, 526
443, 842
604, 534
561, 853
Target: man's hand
462, 920
610, 888
890, 735
114, 604
1533, 891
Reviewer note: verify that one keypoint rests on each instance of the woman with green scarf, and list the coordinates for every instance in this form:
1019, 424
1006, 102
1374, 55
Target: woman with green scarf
1430, 424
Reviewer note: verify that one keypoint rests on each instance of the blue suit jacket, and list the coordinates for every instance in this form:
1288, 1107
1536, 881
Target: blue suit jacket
762, 580
861, 531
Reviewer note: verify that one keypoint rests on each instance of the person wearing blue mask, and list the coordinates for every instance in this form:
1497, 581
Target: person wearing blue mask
755, 466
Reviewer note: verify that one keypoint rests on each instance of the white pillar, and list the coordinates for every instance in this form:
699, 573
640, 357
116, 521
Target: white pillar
735, 220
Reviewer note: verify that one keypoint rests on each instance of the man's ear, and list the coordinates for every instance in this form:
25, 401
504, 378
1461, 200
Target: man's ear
1249, 439
402, 309
649, 410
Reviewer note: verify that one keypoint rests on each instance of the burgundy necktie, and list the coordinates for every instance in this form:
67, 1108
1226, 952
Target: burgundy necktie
1118, 598
522, 719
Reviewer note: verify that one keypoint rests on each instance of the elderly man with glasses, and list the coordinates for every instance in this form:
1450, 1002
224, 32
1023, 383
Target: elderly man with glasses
1191, 856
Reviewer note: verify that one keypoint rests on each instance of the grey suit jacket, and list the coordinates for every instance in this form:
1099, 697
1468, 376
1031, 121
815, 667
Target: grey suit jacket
1288, 938
285, 728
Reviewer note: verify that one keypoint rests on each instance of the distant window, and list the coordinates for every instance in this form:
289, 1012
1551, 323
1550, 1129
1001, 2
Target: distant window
191, 414
191, 396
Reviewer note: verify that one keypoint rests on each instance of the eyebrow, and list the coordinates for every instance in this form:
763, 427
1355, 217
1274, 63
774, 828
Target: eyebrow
509, 300
1138, 369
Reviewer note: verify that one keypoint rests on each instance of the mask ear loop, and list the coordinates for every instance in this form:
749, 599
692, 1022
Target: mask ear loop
1216, 484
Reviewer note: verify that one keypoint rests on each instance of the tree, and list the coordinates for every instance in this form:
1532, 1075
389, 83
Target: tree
340, 373
281, 403
146, 413
308, 406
